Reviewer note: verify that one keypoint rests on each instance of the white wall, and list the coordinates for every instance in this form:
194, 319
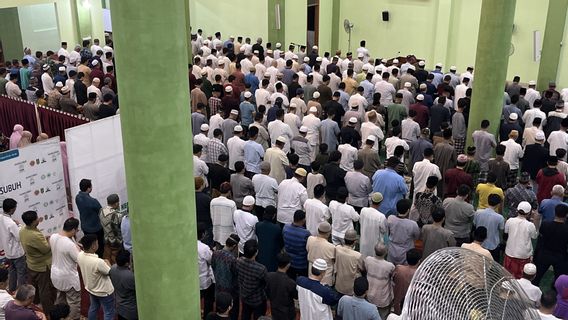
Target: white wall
38, 24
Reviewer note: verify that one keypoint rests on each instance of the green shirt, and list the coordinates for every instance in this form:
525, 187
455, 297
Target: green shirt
396, 112
38, 252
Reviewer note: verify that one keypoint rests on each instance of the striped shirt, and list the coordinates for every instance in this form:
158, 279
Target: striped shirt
252, 281
295, 239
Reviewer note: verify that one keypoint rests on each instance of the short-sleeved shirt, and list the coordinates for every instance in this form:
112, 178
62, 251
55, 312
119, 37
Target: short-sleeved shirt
95, 273
355, 308
494, 222
14, 311
519, 243
64, 273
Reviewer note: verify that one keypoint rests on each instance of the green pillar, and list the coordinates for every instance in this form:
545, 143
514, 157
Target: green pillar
157, 152
336, 26
492, 58
276, 35
551, 42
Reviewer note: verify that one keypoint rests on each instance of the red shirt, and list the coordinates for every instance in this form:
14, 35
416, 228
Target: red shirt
453, 178
422, 114
547, 178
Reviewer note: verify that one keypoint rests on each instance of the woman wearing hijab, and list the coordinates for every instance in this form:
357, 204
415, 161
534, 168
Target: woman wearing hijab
42, 136
561, 286
16, 136
25, 140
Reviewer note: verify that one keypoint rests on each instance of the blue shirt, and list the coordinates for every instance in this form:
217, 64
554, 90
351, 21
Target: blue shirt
548, 206
393, 188
253, 81
254, 153
368, 90
295, 239
355, 308
89, 209
344, 99
329, 132
494, 222
247, 110
126, 235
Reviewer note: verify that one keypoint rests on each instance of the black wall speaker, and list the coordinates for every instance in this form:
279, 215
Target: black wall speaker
385, 16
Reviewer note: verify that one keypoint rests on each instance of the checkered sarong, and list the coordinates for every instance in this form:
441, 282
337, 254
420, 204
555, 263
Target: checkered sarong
512, 177
482, 177
459, 145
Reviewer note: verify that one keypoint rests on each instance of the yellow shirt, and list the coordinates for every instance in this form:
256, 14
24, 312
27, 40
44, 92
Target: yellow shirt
38, 251
95, 273
484, 190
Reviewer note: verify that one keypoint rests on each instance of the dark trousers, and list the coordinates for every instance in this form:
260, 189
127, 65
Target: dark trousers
208, 296
259, 211
101, 240
254, 311
496, 254
123, 318
544, 260
17, 272
234, 313
460, 241
45, 291
295, 272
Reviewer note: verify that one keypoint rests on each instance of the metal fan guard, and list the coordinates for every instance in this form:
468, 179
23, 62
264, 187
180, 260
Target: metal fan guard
456, 283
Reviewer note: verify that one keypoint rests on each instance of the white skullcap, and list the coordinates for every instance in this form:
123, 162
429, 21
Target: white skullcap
292, 106
281, 139
242, 49
221, 62
306, 59
206, 41
316, 95
235, 112
407, 84
371, 138
532, 83
366, 68
318, 59
59, 84
95, 62
45, 67
232, 37
278, 45
352, 120
439, 65
313, 109
539, 135
421, 63
248, 201
524, 206
383, 60
303, 129
62, 68
247, 94
395, 61
255, 52
204, 127
529, 268
360, 55
267, 75
320, 265
203, 72
269, 51
420, 97
228, 89
453, 68
315, 47
238, 128
65, 89
513, 116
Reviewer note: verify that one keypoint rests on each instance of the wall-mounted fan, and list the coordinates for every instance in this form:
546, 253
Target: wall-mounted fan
348, 26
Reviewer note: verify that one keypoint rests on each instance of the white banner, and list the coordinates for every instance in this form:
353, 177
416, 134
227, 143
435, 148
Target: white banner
94, 151
33, 176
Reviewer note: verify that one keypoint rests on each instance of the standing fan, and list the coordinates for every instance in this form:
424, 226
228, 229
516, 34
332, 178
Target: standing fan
458, 283
348, 26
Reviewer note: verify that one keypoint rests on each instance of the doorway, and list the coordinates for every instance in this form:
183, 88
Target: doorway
313, 24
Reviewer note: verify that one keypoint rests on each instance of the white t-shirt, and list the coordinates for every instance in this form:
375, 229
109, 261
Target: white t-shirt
342, 216
64, 274
519, 244
245, 223
204, 255
316, 213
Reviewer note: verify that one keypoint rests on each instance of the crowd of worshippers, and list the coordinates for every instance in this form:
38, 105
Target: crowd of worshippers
322, 182
80, 81
40, 279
